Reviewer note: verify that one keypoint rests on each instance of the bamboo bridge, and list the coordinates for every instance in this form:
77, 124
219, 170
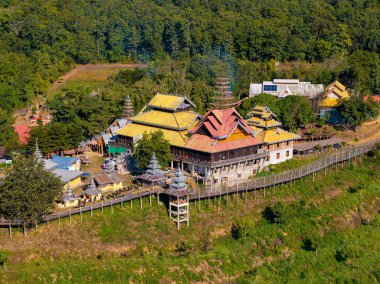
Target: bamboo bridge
203, 192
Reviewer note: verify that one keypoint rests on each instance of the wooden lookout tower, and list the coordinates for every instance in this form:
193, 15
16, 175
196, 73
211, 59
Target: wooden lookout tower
178, 193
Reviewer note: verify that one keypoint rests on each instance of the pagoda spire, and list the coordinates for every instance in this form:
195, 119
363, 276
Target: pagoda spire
223, 95
178, 182
92, 189
154, 167
37, 152
128, 108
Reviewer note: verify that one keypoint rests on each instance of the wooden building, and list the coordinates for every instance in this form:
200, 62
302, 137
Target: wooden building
222, 148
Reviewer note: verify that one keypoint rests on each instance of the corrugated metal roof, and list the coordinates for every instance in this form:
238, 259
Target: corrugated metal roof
67, 175
64, 162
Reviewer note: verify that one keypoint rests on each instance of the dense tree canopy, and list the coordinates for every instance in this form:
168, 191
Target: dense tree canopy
28, 191
152, 142
41, 39
355, 111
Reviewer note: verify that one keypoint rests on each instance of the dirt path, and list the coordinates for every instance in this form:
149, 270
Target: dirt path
368, 131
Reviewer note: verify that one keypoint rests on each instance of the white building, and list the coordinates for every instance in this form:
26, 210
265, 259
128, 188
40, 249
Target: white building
285, 87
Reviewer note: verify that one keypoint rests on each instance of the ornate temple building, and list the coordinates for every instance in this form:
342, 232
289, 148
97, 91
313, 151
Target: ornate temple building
276, 140
335, 93
171, 114
222, 149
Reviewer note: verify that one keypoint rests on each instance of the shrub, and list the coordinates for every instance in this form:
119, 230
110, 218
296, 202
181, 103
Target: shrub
183, 248
309, 245
275, 214
3, 257
241, 230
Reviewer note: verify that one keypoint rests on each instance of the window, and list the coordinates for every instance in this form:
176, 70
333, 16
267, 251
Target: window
278, 156
215, 181
268, 147
267, 159
224, 179
278, 145
270, 88
287, 153
287, 143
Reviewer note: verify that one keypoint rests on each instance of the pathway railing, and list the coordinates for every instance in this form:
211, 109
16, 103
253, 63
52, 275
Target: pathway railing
256, 183
289, 175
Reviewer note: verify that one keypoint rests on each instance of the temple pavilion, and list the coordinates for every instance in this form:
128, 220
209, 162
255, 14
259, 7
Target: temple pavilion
153, 175
222, 149
69, 199
170, 114
335, 93
276, 140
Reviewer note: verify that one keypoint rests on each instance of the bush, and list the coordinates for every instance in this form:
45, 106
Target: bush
183, 248
275, 214
309, 245
241, 230
3, 257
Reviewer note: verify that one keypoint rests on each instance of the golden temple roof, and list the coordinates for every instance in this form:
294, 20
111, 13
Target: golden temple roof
169, 102
172, 120
175, 138
339, 93
276, 135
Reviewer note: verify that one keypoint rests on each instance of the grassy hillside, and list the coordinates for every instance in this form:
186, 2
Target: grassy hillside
326, 231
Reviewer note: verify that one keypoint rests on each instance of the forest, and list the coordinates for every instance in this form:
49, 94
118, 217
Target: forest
190, 41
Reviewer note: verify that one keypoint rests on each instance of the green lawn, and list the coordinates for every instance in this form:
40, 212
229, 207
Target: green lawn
324, 232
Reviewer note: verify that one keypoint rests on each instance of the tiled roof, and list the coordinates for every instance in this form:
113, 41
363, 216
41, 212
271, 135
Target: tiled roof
204, 143
220, 123
173, 120
258, 122
339, 90
23, 133
103, 179
277, 135
166, 101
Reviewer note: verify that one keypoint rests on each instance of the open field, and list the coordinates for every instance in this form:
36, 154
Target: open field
326, 232
93, 76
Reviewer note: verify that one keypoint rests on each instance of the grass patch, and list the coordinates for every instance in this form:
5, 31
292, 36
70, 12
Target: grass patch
321, 232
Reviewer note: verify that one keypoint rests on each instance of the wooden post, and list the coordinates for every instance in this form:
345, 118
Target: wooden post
150, 199
121, 204
102, 208
10, 228
70, 216
91, 210
130, 201
158, 198
80, 212
178, 210
111, 207
170, 206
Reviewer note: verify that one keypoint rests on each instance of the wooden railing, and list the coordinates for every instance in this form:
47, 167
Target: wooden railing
287, 176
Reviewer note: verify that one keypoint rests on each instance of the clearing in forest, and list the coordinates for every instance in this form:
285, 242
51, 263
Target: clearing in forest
92, 75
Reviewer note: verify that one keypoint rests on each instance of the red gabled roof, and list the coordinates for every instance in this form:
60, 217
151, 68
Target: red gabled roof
211, 133
204, 143
23, 133
220, 123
